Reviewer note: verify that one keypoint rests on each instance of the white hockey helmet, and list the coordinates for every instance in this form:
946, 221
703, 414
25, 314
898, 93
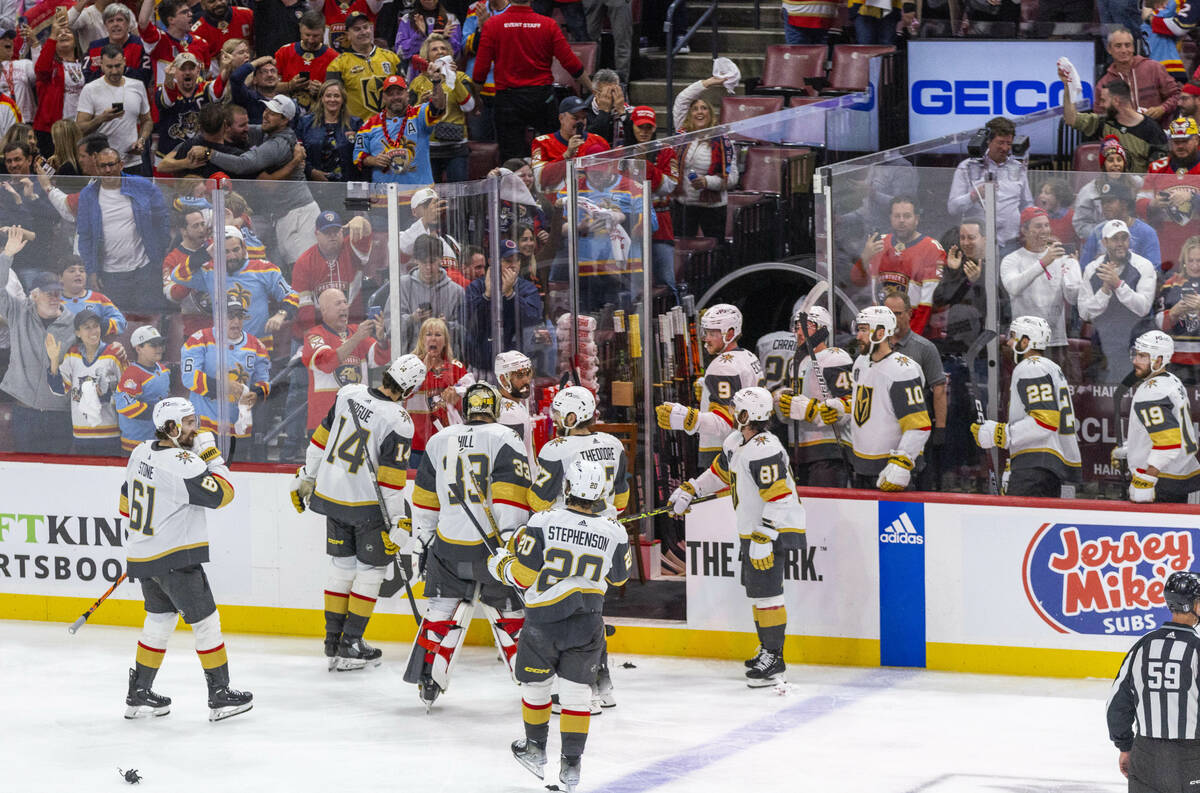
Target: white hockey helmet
1035, 328
408, 372
482, 399
574, 399
511, 362
1158, 345
174, 409
585, 480
752, 404
877, 317
722, 317
818, 315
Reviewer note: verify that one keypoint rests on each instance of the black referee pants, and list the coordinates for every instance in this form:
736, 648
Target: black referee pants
518, 108
1162, 766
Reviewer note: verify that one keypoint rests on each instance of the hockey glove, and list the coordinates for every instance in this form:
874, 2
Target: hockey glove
401, 535
205, 447
420, 551
680, 501
1141, 489
698, 389
832, 411
301, 489
498, 564
990, 434
389, 547
896, 474
1004, 480
762, 551
673, 416
1118, 456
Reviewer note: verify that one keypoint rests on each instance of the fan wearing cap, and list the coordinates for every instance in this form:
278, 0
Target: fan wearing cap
1113, 171
256, 283
88, 373
247, 376
520, 302
551, 151
144, 383
180, 97
219, 21
17, 78
1119, 204
394, 143
165, 43
428, 211
1116, 293
1040, 278
363, 67
343, 258
77, 297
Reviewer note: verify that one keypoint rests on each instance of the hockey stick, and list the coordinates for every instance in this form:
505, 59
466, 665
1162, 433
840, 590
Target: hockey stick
1118, 396
985, 336
77, 624
396, 569
662, 510
461, 496
823, 389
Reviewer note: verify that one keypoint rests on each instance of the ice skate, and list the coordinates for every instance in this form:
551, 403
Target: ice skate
568, 773
768, 671
602, 690
332, 640
752, 662
224, 701
428, 691
142, 702
356, 654
532, 755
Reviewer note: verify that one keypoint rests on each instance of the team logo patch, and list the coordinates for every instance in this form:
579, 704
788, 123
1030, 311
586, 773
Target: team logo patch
862, 404
347, 373
1102, 579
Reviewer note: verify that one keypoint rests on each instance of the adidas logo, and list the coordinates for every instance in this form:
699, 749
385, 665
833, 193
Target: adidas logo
902, 531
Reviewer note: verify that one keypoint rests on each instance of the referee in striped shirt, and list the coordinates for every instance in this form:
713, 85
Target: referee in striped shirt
1158, 687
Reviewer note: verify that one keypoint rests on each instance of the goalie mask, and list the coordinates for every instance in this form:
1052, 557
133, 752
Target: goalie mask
753, 404
510, 363
482, 399
1036, 329
572, 400
1158, 345
407, 372
876, 317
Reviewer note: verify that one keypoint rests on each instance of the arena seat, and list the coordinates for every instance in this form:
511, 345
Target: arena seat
851, 68
587, 52
794, 68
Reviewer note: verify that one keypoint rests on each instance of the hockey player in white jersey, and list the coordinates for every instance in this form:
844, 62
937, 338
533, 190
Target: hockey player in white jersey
821, 462
478, 467
1161, 447
514, 374
775, 352
170, 483
731, 368
889, 421
336, 481
564, 560
1040, 433
770, 521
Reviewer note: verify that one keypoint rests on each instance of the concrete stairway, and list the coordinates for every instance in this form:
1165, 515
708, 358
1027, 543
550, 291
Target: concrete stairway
737, 39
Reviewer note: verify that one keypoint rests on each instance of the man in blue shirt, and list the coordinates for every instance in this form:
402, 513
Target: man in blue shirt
394, 143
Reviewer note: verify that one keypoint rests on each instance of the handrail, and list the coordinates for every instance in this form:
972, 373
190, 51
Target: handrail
673, 47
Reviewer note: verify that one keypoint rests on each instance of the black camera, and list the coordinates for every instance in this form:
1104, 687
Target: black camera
977, 145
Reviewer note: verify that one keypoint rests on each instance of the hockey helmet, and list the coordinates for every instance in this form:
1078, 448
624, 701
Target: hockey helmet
408, 372
752, 404
1182, 591
174, 409
482, 399
573, 399
722, 317
1035, 328
875, 317
511, 362
817, 315
585, 480
1158, 345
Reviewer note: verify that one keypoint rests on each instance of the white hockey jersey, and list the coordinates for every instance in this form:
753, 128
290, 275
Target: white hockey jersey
557, 455
888, 413
483, 463
760, 483
164, 497
1161, 432
775, 351
565, 561
1041, 420
103, 372
727, 373
816, 440
515, 415
339, 450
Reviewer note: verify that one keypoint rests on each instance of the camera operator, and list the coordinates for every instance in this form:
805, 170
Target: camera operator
1009, 175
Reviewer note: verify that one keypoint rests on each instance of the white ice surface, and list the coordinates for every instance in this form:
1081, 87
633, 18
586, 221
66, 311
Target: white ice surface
681, 725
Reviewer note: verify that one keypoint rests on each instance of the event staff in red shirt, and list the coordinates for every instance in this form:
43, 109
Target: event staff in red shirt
522, 44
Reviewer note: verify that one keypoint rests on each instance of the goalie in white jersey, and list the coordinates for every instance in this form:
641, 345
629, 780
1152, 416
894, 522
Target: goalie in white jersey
472, 481
365, 429
1040, 433
170, 483
731, 369
770, 521
1161, 447
812, 416
564, 560
889, 421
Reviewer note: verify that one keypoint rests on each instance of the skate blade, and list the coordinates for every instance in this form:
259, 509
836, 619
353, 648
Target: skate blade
767, 682
606, 701
145, 711
220, 714
530, 766
333, 662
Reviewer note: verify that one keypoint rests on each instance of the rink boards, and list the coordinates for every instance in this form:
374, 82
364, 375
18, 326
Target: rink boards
925, 580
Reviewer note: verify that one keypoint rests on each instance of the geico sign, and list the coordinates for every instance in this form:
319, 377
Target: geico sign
987, 97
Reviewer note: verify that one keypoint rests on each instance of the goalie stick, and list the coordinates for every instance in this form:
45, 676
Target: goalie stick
969, 357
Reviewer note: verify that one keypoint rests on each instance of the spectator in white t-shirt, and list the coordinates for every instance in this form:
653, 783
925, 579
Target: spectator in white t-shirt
16, 76
118, 107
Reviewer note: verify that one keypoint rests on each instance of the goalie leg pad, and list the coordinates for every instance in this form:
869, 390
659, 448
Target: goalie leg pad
506, 628
438, 641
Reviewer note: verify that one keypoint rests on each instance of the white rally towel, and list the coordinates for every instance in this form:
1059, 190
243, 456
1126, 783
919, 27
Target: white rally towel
728, 71
89, 402
243, 420
446, 65
1074, 84
620, 239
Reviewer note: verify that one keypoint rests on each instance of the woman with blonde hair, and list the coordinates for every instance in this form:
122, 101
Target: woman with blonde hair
328, 136
436, 400
448, 152
65, 135
707, 168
